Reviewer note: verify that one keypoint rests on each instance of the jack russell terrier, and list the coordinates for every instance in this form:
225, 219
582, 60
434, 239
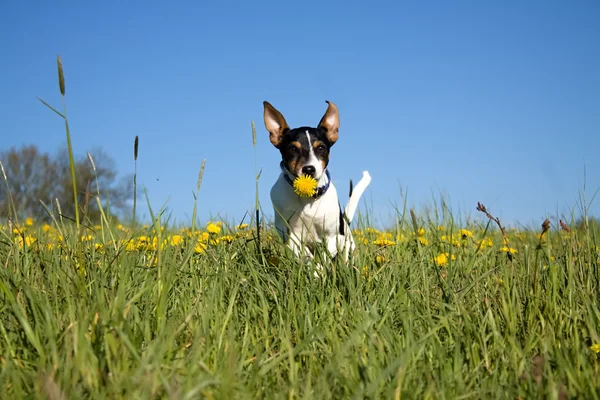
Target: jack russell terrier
302, 221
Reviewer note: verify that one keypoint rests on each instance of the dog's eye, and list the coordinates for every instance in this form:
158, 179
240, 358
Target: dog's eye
321, 149
293, 149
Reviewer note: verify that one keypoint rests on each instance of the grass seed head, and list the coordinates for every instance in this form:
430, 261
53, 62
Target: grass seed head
92, 161
136, 143
3, 172
200, 175
61, 76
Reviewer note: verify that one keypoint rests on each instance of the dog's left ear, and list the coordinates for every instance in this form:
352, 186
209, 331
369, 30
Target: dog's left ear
331, 122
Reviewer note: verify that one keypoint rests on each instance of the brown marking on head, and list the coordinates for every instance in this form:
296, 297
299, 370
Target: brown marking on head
275, 124
331, 123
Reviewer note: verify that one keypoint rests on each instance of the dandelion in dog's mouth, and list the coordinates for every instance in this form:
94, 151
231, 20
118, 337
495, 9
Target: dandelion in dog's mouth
305, 186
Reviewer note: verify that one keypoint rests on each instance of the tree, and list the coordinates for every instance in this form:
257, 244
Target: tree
32, 176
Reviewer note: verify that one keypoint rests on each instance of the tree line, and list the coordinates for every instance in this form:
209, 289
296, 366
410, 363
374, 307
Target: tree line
32, 176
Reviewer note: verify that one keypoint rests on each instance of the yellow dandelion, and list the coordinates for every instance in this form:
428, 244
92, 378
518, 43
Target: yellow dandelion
29, 221
202, 236
442, 259
305, 186
421, 232
29, 240
507, 249
380, 259
227, 238
372, 230
176, 240
423, 241
595, 348
130, 245
464, 233
483, 243
46, 228
241, 226
383, 242
98, 246
365, 270
213, 228
200, 248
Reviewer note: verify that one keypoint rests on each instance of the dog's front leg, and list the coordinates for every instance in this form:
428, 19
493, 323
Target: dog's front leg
301, 251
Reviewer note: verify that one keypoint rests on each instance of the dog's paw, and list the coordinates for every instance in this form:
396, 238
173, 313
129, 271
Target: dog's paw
319, 272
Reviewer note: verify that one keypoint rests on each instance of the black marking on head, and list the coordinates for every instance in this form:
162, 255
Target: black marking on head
295, 148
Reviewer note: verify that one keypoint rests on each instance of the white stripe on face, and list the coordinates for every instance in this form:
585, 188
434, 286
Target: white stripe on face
313, 160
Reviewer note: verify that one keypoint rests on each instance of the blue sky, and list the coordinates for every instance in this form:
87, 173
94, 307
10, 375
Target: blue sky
497, 102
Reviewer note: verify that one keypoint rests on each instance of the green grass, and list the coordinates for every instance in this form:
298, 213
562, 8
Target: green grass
227, 323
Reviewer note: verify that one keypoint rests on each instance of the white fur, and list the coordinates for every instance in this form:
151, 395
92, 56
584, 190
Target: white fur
313, 160
301, 220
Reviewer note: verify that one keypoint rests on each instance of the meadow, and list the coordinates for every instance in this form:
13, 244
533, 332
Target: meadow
427, 308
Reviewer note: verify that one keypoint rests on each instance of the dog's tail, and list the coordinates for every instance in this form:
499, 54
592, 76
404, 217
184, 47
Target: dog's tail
355, 195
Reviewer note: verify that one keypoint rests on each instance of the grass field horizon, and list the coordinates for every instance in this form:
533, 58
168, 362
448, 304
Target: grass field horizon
435, 305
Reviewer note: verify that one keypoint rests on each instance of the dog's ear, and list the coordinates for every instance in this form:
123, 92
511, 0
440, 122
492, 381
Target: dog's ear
275, 124
331, 122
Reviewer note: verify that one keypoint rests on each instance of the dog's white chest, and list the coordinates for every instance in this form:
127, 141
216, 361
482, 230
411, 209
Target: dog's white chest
312, 220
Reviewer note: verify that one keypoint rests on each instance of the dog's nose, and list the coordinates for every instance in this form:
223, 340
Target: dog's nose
308, 170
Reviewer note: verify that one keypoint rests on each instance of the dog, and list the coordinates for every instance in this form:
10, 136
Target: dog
301, 221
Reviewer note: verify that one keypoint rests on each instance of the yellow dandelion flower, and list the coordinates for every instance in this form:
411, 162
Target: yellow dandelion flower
46, 228
241, 226
200, 248
380, 259
441, 260
29, 221
202, 236
29, 240
595, 348
507, 249
365, 270
464, 233
372, 230
98, 246
130, 245
227, 238
176, 240
483, 243
305, 186
213, 228
383, 242
421, 232
423, 241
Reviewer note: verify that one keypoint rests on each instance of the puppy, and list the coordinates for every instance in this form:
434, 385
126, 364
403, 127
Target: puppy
303, 222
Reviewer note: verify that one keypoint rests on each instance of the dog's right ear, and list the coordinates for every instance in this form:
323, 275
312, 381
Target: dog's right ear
275, 124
